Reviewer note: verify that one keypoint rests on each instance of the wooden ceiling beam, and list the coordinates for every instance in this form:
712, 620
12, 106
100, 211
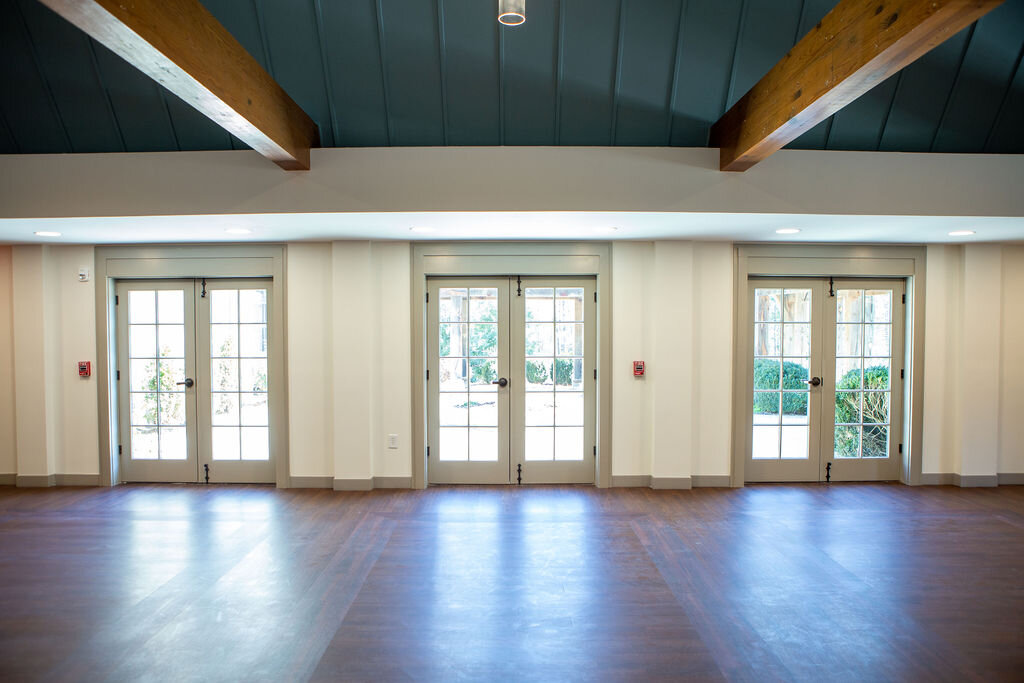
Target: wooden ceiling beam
855, 47
179, 44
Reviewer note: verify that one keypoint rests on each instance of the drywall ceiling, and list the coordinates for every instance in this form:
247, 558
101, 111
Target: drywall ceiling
511, 226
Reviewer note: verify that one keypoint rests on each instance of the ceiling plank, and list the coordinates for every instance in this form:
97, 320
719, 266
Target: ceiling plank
855, 47
179, 44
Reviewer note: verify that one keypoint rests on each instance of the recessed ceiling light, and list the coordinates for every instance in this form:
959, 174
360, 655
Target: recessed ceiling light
47, 233
238, 231
955, 233
511, 12
421, 228
787, 231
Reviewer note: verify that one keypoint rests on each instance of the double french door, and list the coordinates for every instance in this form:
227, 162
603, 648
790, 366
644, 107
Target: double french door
193, 380
826, 384
511, 380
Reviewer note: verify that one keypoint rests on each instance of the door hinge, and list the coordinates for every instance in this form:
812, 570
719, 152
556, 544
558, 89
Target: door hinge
904, 298
117, 300
428, 375
901, 448
120, 451
901, 373
428, 297
118, 375
595, 373
595, 297
428, 451
595, 451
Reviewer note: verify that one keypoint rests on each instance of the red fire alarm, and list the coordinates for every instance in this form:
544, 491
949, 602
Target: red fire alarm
638, 368
84, 368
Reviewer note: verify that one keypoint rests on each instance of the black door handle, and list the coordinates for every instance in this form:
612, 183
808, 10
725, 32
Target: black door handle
188, 383
814, 381
501, 382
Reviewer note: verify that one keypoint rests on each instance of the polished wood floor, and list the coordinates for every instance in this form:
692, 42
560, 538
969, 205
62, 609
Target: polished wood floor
194, 583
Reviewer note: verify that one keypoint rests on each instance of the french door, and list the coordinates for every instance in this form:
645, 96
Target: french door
824, 395
511, 380
193, 380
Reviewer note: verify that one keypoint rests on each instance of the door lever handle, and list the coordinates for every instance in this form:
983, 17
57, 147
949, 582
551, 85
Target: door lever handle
188, 383
501, 382
814, 381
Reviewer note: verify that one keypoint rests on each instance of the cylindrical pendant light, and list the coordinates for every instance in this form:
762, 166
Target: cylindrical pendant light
511, 12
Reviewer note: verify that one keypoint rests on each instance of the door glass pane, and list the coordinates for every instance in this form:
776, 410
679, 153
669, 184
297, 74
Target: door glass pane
156, 365
780, 423
468, 368
555, 369
568, 443
239, 385
863, 363
539, 443
483, 444
454, 443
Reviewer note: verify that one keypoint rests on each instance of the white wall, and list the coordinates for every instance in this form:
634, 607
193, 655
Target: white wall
672, 307
973, 374
310, 395
54, 327
1011, 395
8, 460
349, 360
632, 418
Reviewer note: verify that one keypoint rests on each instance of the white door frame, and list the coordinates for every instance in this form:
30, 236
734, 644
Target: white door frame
187, 261
838, 261
436, 259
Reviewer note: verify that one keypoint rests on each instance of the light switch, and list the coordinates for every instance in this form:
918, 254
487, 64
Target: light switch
392, 440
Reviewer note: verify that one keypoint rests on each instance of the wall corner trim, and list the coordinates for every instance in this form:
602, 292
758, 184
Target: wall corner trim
76, 480
353, 484
969, 480
975, 480
631, 480
35, 480
677, 483
310, 482
392, 482
711, 481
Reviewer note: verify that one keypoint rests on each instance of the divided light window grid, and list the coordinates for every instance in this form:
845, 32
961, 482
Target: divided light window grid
554, 373
782, 361
238, 374
156, 352
468, 363
863, 367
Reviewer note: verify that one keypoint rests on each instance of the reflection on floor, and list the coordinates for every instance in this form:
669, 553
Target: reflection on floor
850, 582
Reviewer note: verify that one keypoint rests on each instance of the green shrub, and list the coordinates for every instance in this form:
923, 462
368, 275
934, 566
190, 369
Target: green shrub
766, 374
876, 410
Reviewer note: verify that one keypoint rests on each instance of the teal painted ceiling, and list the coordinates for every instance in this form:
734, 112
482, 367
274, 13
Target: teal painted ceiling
443, 72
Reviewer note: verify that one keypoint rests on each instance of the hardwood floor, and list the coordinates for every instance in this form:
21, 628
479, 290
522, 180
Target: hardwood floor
849, 582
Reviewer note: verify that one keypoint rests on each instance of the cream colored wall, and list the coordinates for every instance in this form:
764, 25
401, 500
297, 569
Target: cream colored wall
672, 307
1011, 389
310, 395
349, 359
54, 327
8, 460
973, 375
632, 420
